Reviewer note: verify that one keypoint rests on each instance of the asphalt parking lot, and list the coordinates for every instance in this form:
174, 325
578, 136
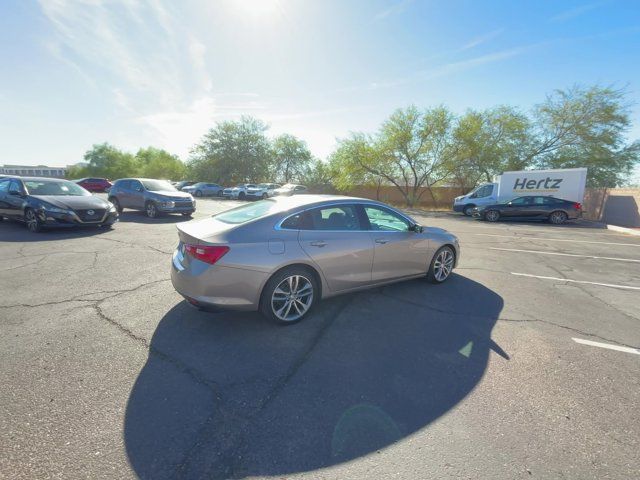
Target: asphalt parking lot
505, 371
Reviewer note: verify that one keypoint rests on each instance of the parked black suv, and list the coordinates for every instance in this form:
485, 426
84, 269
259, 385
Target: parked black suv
154, 197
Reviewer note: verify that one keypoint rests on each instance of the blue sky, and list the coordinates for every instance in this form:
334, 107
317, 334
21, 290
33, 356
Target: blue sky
160, 73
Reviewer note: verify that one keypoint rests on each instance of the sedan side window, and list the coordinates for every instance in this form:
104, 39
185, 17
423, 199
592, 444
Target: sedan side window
136, 186
15, 187
385, 220
338, 217
521, 201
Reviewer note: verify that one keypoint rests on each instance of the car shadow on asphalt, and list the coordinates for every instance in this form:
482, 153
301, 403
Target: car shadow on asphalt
13, 231
134, 216
231, 395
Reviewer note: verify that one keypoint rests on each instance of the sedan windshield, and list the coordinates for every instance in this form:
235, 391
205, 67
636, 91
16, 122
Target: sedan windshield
50, 187
246, 213
158, 185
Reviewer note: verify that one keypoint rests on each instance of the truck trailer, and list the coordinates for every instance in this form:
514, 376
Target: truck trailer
567, 184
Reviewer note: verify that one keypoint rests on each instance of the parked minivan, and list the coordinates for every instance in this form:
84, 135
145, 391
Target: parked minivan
154, 197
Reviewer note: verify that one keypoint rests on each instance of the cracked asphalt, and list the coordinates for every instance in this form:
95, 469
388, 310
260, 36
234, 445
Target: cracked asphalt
107, 373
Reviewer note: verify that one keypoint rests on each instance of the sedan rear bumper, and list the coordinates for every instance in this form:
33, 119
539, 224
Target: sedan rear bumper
217, 286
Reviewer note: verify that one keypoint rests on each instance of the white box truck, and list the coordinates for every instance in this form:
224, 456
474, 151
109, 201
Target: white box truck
567, 184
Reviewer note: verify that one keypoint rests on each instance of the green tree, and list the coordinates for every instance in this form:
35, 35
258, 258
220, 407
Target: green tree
107, 161
319, 177
412, 150
489, 143
292, 159
586, 127
158, 163
233, 151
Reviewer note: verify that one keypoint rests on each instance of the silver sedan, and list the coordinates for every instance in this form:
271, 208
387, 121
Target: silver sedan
282, 255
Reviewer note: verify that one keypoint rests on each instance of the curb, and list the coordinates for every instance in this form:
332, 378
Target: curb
630, 231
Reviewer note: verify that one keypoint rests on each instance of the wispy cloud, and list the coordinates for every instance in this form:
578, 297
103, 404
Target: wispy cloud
394, 9
138, 51
446, 69
482, 39
575, 12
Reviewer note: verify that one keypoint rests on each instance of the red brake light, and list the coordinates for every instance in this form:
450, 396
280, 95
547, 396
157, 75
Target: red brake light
206, 253
577, 206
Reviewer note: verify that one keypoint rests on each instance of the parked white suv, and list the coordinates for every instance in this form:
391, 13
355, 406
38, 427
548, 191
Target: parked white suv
238, 192
262, 190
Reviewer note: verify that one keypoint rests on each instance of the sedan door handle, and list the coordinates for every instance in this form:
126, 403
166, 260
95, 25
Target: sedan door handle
381, 240
318, 244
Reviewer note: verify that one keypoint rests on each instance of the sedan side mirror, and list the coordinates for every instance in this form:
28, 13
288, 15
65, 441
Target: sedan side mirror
416, 228
16, 194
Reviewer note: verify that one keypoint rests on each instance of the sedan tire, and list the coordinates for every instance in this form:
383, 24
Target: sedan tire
116, 204
441, 265
467, 210
151, 210
558, 217
289, 295
492, 216
32, 221
198, 193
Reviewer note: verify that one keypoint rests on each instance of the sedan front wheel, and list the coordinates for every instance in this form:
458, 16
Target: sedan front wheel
151, 210
492, 216
33, 222
441, 265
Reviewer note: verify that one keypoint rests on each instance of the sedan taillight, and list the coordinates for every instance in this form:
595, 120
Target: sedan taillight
206, 253
577, 206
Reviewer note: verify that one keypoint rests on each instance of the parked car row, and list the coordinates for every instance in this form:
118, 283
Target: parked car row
242, 191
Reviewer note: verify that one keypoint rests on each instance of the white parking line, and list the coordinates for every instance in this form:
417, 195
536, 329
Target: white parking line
625, 287
633, 260
515, 237
607, 345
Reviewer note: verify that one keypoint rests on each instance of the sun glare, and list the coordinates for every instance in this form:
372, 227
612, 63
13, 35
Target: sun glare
257, 7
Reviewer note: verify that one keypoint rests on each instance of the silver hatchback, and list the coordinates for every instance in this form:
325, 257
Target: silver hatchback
282, 255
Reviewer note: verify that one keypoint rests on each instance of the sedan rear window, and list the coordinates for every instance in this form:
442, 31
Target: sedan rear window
246, 213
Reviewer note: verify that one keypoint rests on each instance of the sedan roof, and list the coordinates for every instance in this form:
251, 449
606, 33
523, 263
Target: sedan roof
303, 200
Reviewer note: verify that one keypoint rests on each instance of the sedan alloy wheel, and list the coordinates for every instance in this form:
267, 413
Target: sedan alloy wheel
32, 221
558, 218
492, 215
292, 298
151, 210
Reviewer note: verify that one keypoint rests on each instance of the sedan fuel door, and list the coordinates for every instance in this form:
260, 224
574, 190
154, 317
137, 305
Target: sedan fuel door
335, 239
400, 251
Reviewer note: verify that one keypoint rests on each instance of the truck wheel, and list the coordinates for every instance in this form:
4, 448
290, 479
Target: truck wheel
467, 210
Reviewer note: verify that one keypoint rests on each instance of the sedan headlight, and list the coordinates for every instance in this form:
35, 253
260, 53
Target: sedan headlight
52, 209
168, 204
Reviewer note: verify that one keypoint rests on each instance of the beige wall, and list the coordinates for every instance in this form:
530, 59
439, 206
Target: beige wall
616, 206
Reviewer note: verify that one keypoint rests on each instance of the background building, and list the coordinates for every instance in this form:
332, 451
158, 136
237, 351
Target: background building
33, 171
